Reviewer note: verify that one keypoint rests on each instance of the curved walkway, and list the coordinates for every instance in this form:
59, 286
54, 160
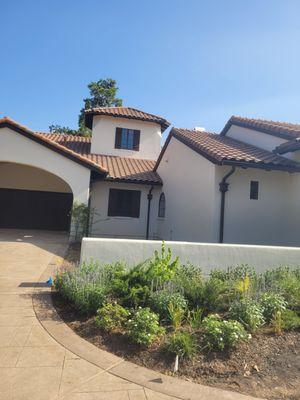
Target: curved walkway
42, 358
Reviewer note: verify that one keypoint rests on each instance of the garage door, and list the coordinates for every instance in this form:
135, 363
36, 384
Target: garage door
28, 209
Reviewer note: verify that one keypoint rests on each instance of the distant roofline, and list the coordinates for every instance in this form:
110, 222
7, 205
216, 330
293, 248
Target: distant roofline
282, 130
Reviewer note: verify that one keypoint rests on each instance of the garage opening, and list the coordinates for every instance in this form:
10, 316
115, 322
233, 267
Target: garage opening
31, 198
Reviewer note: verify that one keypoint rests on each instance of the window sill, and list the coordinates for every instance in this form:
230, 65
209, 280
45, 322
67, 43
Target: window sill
123, 218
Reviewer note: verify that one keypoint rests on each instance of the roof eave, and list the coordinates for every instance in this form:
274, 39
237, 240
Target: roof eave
52, 146
244, 124
269, 167
89, 114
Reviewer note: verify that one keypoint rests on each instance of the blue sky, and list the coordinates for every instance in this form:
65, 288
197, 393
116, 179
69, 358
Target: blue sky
194, 62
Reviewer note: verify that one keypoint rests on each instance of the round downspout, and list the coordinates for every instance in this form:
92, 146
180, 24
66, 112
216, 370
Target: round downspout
149, 197
223, 187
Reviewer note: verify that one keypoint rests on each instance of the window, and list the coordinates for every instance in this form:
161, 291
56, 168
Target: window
254, 190
162, 206
124, 203
128, 139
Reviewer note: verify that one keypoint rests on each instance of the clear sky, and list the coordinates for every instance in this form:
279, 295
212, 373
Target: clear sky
194, 62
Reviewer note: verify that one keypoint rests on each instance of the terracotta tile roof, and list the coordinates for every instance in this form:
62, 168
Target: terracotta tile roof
283, 130
120, 169
53, 145
223, 150
125, 112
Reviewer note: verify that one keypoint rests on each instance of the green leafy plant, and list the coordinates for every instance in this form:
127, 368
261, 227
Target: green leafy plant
80, 220
86, 286
111, 317
290, 320
277, 322
144, 327
161, 300
248, 312
182, 344
162, 267
222, 335
271, 303
188, 279
286, 281
176, 315
194, 318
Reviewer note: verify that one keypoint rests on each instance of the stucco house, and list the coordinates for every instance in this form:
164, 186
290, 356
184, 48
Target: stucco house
239, 186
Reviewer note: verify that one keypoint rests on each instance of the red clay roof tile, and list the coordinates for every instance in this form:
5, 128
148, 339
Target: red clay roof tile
125, 112
283, 130
224, 150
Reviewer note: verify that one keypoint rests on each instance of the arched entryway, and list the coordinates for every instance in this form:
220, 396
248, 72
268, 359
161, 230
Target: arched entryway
32, 198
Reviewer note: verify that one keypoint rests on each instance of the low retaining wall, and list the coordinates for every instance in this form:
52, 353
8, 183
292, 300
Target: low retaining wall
205, 255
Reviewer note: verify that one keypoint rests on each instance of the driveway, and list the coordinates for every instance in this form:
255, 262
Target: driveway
41, 358
32, 364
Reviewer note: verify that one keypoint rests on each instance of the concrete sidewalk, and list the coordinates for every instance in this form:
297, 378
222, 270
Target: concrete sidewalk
41, 358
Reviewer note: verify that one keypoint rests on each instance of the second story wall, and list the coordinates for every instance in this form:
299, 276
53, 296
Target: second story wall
104, 134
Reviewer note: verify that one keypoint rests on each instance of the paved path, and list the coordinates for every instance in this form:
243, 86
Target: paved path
41, 358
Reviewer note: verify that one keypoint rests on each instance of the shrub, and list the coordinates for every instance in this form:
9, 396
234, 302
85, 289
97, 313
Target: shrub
144, 328
160, 302
285, 281
248, 312
194, 318
290, 320
134, 287
111, 317
215, 295
182, 344
188, 279
176, 314
87, 285
162, 267
222, 335
271, 303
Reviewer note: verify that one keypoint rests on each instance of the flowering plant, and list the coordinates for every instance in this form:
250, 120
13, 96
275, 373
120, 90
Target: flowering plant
144, 328
221, 335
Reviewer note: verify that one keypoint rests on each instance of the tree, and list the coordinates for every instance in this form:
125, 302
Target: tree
102, 94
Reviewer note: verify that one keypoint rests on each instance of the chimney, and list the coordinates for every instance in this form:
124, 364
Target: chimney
199, 129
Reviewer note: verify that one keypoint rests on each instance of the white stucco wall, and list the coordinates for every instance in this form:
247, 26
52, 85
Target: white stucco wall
263, 221
106, 226
256, 138
104, 131
204, 255
20, 176
16, 148
189, 187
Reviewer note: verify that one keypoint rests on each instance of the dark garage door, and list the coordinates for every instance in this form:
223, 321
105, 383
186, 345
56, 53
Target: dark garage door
28, 209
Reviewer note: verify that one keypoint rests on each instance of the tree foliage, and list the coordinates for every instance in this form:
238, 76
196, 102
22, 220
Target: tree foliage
102, 94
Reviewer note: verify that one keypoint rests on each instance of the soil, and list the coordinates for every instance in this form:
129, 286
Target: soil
267, 366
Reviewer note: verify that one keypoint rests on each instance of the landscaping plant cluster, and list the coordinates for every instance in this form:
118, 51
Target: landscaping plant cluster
178, 308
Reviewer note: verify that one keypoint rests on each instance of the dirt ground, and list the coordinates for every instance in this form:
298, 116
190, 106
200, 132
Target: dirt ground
268, 366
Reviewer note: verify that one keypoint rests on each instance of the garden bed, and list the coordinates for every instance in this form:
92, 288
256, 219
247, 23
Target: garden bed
267, 365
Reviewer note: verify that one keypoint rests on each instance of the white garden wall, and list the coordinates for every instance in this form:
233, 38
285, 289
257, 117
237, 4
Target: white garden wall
207, 256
